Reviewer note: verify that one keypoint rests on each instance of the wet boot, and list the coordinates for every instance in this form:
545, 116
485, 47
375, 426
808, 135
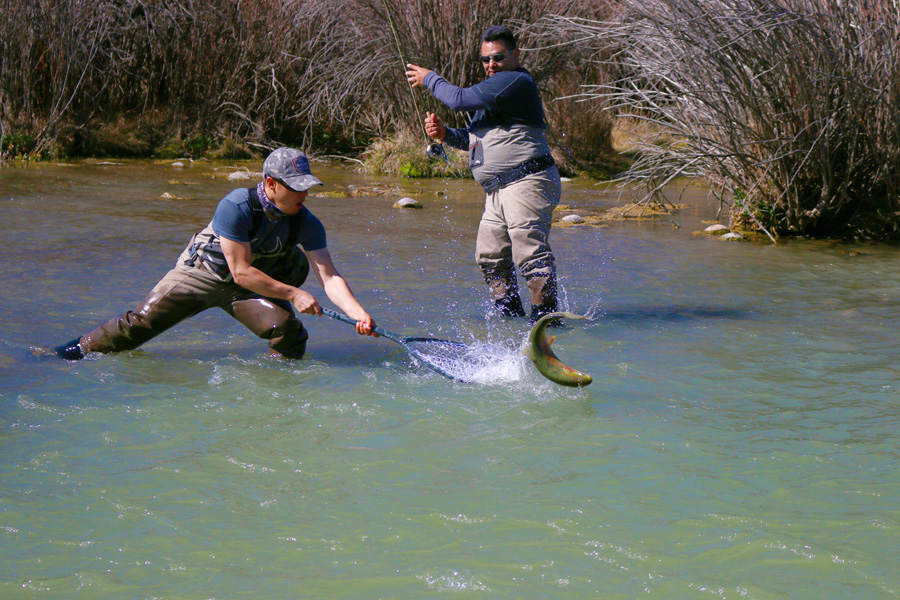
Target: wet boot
70, 350
506, 297
542, 290
511, 306
544, 309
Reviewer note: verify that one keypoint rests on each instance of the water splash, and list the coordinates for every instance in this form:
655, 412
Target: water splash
481, 362
498, 364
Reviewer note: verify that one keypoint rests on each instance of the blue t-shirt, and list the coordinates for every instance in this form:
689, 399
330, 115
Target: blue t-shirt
233, 220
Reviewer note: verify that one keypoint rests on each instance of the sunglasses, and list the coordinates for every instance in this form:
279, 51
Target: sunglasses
499, 57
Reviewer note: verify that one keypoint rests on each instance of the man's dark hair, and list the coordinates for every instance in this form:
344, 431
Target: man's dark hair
500, 33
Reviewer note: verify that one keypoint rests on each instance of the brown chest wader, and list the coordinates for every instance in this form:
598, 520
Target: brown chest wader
188, 290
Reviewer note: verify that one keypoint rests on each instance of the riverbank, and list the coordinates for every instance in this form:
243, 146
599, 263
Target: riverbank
403, 155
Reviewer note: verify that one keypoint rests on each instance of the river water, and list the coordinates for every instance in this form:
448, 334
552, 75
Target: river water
739, 439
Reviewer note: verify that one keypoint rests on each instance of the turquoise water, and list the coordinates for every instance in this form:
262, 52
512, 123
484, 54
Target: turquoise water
739, 439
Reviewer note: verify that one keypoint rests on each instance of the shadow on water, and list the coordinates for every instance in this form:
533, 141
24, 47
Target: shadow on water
673, 313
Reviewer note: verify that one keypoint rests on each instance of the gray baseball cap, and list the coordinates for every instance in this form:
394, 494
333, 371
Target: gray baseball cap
291, 167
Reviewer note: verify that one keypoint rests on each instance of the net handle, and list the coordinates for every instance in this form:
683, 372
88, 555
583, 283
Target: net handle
394, 338
382, 332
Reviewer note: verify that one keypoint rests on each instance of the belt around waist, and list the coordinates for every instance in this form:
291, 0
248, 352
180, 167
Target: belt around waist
532, 165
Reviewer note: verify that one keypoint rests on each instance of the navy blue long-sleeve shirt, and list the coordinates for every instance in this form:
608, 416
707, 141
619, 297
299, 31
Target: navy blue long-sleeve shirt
507, 127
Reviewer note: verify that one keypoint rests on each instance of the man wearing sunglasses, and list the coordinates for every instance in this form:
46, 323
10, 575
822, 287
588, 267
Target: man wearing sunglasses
248, 262
510, 158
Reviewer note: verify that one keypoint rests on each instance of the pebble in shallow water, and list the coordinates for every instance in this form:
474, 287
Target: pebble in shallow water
407, 203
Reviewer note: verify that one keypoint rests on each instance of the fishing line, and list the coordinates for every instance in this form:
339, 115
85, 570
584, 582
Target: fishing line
434, 149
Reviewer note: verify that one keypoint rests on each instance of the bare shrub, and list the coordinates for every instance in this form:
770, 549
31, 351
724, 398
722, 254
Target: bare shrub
234, 68
368, 91
309, 72
789, 110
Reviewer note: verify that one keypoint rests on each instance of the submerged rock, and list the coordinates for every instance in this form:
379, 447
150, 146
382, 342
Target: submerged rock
732, 237
407, 202
573, 219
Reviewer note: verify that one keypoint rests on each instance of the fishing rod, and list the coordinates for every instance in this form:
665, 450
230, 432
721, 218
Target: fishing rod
434, 149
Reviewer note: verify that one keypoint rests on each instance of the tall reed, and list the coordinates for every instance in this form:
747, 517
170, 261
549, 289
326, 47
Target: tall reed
790, 110
297, 71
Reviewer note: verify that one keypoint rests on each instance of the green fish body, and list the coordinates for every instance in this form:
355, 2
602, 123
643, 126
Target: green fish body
547, 363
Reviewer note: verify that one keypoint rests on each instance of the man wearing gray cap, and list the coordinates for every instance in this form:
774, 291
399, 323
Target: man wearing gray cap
248, 262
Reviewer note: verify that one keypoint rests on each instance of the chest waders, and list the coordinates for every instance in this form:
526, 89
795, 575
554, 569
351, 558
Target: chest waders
207, 252
188, 289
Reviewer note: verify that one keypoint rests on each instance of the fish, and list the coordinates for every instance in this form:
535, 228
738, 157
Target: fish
547, 363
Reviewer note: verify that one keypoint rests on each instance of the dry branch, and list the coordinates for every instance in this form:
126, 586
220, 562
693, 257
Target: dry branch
791, 109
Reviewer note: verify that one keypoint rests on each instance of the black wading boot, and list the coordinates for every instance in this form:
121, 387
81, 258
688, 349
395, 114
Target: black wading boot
70, 350
542, 289
545, 309
510, 306
505, 293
